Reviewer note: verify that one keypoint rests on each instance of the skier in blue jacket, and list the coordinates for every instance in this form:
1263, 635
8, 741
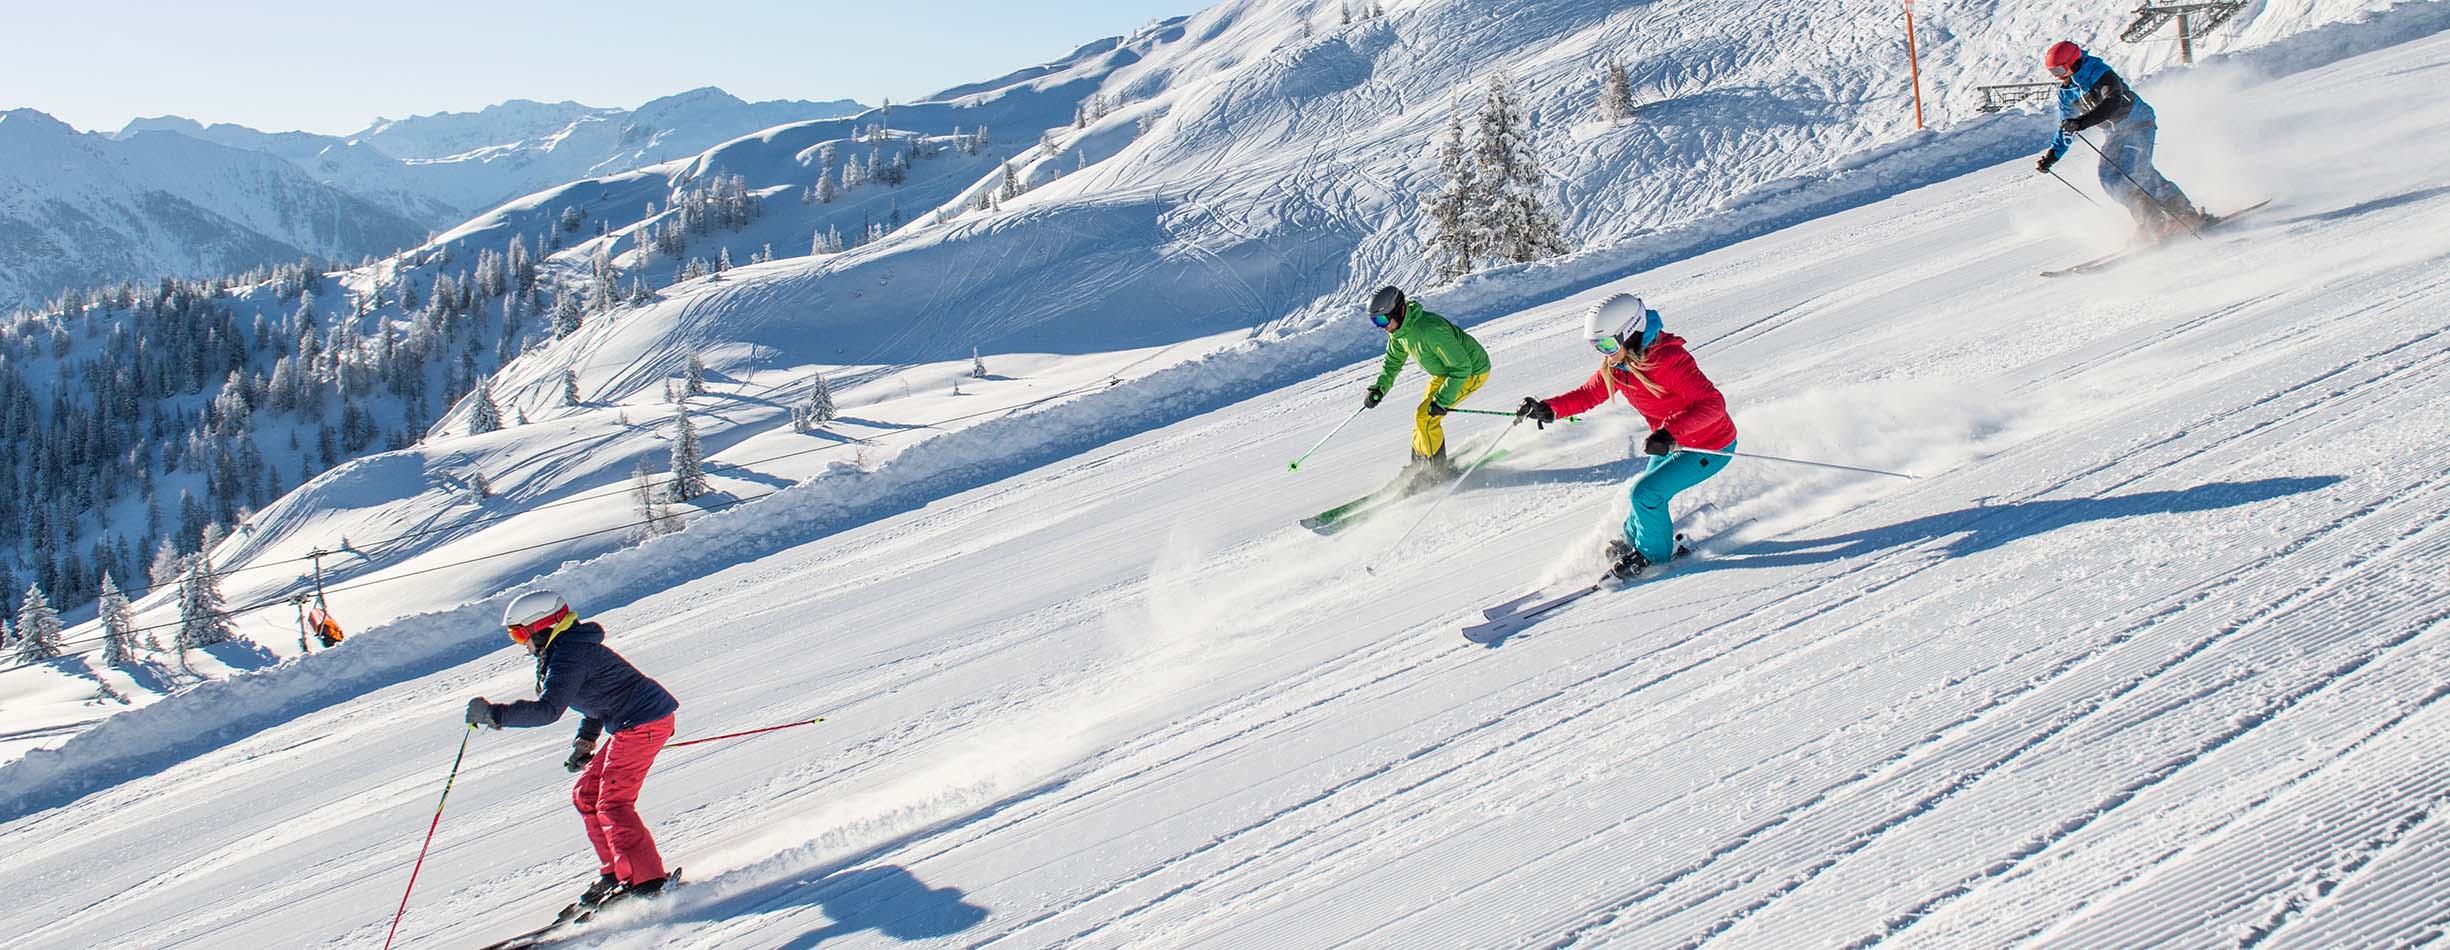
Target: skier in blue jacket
2091, 94
575, 670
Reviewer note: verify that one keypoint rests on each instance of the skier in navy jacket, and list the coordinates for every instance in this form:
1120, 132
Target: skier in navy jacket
574, 670
2091, 94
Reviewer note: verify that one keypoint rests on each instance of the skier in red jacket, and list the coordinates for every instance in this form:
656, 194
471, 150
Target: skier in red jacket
1651, 369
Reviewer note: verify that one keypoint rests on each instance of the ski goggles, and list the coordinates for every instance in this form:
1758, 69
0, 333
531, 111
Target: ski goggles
522, 633
2062, 71
1607, 345
1382, 320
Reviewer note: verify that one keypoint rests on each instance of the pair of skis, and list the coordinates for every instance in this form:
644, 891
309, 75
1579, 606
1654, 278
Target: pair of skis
570, 917
2121, 256
1352, 512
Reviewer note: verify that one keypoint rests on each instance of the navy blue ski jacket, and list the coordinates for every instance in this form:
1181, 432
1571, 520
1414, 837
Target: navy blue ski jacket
577, 671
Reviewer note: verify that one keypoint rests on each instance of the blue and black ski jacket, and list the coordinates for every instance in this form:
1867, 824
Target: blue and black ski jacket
2093, 95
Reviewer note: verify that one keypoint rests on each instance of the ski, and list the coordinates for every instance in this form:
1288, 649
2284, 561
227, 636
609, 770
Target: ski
1347, 514
570, 917
1507, 619
2121, 255
1510, 618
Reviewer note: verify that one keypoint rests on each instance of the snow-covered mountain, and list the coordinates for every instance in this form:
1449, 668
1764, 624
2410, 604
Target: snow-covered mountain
2150, 655
2124, 668
444, 167
86, 210
166, 196
1203, 182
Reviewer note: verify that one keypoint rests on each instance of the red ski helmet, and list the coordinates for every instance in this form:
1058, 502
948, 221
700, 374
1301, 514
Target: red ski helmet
2062, 57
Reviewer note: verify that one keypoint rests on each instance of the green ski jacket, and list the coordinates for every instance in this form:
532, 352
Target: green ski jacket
1443, 349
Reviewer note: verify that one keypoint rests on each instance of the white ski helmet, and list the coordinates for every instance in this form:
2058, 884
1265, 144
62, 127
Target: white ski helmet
1615, 320
537, 611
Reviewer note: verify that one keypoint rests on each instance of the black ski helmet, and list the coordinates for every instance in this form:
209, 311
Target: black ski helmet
1389, 300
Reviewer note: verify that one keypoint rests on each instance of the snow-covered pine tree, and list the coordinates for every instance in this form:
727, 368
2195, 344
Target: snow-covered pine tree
485, 415
569, 387
1459, 241
1012, 183
688, 460
978, 367
1520, 225
202, 622
480, 487
694, 376
820, 403
118, 624
1615, 91
167, 565
567, 312
38, 627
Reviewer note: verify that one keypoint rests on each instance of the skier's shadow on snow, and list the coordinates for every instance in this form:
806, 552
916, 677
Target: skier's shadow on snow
1984, 527
891, 901
886, 899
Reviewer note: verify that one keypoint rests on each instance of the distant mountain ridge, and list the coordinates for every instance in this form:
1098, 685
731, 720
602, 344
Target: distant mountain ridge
80, 209
171, 196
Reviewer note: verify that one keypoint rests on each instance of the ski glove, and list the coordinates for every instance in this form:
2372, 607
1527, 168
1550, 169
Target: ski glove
1659, 443
581, 751
2071, 126
1436, 410
1371, 401
1536, 411
480, 713
2048, 159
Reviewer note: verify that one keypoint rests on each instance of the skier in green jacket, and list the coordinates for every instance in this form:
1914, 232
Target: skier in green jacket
1456, 365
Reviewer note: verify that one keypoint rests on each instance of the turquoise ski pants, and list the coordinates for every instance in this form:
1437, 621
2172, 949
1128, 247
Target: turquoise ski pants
1648, 528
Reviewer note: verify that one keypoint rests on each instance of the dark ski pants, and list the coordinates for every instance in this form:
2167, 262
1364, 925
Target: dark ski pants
2150, 198
607, 799
1648, 528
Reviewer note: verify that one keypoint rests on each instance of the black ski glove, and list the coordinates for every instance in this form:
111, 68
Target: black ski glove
1536, 411
2071, 126
1436, 410
581, 752
1659, 443
481, 713
2048, 159
1371, 401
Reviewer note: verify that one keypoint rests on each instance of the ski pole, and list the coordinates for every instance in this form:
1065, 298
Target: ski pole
1450, 491
751, 732
2139, 186
429, 836
2071, 186
1501, 412
1773, 458
1296, 464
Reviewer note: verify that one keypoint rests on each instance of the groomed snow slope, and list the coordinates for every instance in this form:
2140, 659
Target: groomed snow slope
2151, 657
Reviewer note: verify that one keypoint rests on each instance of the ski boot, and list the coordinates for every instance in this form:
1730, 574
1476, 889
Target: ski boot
604, 886
1430, 470
627, 893
1624, 562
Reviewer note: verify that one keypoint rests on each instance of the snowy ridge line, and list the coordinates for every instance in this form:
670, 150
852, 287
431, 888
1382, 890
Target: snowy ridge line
43, 778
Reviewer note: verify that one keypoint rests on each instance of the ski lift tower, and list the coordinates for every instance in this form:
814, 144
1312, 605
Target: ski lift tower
2193, 19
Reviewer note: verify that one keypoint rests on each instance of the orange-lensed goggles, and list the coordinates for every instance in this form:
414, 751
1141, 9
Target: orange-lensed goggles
521, 633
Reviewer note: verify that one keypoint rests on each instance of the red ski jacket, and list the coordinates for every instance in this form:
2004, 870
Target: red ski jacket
1667, 388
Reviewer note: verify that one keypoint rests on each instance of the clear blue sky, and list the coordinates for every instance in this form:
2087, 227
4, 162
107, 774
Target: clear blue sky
334, 65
